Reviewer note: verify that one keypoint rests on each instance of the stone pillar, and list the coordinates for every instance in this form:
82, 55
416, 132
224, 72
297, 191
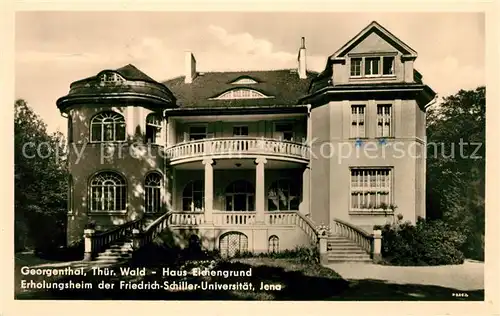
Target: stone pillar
323, 249
209, 189
88, 235
260, 190
136, 238
377, 245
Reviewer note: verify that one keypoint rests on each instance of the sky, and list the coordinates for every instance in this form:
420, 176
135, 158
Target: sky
54, 49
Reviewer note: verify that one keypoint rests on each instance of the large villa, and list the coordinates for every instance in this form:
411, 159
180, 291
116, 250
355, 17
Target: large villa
252, 161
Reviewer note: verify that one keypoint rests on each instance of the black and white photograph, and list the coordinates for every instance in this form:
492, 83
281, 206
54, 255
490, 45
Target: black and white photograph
249, 156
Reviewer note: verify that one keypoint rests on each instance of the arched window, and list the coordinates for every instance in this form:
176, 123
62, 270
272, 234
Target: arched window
107, 127
240, 196
152, 186
283, 195
232, 243
244, 80
153, 128
274, 244
108, 192
193, 196
241, 94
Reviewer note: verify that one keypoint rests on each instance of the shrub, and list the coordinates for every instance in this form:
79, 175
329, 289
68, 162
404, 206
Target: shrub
302, 254
426, 243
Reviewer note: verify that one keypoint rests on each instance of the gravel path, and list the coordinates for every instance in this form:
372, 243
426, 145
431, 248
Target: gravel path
467, 276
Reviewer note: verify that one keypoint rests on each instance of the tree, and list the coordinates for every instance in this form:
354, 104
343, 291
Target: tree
40, 181
456, 165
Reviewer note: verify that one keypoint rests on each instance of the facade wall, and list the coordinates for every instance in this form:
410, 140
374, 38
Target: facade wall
334, 153
258, 237
131, 161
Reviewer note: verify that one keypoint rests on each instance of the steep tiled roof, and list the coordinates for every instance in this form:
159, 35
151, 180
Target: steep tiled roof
285, 87
137, 87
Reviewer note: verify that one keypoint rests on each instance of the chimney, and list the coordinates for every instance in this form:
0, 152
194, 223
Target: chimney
302, 59
189, 67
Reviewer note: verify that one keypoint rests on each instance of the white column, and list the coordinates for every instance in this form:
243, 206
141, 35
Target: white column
209, 188
305, 205
260, 188
306, 177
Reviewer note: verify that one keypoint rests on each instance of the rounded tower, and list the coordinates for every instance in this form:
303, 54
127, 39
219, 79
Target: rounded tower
116, 137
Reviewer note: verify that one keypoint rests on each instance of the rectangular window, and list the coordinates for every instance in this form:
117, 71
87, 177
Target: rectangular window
357, 121
240, 131
284, 131
372, 66
384, 113
371, 189
356, 67
197, 132
388, 65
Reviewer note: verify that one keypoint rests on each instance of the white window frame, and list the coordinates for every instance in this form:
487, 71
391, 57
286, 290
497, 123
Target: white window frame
108, 118
205, 126
274, 244
241, 93
371, 181
384, 119
240, 127
152, 192
280, 135
380, 66
109, 77
244, 80
286, 192
192, 206
107, 182
358, 121
249, 196
360, 67
155, 123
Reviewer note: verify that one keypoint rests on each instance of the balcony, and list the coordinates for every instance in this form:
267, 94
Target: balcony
238, 147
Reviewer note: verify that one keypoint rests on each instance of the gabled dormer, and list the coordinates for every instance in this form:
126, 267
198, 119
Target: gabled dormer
373, 56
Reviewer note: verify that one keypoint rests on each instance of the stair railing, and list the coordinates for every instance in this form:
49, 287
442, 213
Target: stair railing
361, 237
141, 238
308, 226
100, 241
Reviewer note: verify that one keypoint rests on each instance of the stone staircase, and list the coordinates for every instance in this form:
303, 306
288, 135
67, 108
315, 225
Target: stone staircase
117, 252
341, 249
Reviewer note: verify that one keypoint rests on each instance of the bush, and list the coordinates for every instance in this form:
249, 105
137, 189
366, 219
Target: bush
426, 243
302, 254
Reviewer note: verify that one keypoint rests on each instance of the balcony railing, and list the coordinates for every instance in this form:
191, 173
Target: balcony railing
238, 146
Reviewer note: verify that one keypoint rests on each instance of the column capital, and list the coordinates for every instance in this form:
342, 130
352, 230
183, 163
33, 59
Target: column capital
209, 161
260, 160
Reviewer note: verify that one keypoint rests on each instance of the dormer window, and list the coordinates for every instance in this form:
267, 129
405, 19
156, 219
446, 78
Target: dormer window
111, 77
375, 66
244, 80
241, 94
